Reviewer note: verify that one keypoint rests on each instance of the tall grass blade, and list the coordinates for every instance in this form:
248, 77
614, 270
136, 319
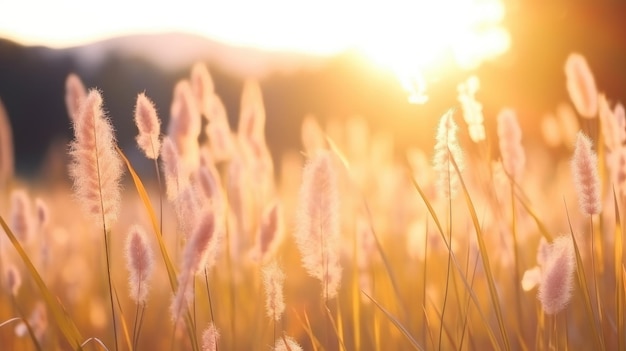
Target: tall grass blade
171, 272
129, 344
63, 321
468, 287
619, 297
582, 280
97, 341
143, 194
485, 257
397, 323
379, 247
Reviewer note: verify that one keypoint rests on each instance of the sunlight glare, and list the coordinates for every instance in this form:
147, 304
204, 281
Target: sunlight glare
410, 38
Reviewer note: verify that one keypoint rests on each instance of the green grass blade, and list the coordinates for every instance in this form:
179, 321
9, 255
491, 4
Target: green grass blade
397, 323
63, 321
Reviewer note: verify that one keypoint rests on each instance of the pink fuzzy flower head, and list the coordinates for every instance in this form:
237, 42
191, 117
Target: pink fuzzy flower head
318, 223
149, 127
581, 85
585, 171
75, 94
557, 281
210, 338
510, 139
140, 264
202, 86
273, 281
96, 167
286, 344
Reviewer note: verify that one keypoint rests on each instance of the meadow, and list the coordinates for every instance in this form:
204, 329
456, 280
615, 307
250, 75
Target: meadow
486, 242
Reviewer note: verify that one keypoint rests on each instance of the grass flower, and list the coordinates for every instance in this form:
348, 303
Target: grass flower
446, 146
273, 281
286, 344
23, 223
557, 281
317, 232
585, 171
210, 338
472, 109
149, 126
199, 253
510, 139
75, 95
581, 85
140, 264
96, 167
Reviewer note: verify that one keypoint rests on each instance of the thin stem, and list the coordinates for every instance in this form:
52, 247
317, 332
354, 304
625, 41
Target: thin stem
593, 270
107, 250
208, 292
158, 174
445, 296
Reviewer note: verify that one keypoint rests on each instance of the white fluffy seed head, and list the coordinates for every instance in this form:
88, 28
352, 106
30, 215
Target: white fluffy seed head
286, 344
446, 139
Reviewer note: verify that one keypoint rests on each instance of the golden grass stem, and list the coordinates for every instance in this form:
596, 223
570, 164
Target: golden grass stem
485, 259
618, 257
582, 280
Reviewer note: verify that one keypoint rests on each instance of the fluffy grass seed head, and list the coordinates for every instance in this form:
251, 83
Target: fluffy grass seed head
210, 338
12, 279
586, 178
75, 95
289, 345
22, 221
612, 122
95, 167
318, 223
273, 281
557, 281
218, 131
472, 109
185, 126
581, 85
200, 252
140, 264
252, 117
270, 233
149, 126
446, 139
510, 140
175, 181
202, 86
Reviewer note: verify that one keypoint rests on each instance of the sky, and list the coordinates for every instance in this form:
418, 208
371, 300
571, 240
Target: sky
395, 33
